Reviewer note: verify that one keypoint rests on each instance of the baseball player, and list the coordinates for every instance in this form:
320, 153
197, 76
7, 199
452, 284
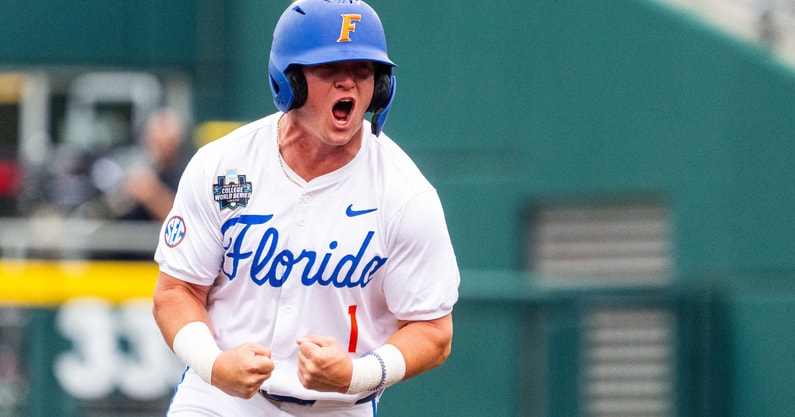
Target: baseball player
306, 265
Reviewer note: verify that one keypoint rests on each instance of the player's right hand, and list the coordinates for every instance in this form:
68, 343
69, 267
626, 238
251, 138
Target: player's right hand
242, 370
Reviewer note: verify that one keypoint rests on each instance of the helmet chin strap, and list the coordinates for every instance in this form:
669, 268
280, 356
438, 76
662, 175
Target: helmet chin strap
380, 115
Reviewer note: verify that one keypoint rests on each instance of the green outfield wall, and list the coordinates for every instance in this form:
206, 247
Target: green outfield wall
507, 106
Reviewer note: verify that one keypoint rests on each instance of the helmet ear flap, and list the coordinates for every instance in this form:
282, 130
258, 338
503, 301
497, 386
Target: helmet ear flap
381, 88
295, 76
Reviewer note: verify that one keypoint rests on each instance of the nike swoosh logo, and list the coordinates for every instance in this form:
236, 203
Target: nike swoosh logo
350, 212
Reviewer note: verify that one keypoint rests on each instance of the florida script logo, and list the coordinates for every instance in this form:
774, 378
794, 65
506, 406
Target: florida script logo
268, 266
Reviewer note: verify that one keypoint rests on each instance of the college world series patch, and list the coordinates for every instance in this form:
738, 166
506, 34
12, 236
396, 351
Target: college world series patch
232, 190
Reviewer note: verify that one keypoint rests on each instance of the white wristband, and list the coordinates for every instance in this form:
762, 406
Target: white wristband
377, 370
195, 345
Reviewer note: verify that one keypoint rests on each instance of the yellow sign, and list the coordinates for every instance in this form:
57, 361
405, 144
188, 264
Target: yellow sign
48, 283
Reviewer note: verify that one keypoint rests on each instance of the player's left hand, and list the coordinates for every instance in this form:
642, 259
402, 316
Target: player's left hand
323, 365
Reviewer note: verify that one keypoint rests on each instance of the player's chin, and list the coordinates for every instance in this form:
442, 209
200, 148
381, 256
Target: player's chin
344, 130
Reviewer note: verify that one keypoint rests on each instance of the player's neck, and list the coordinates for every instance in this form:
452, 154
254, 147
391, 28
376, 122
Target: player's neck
311, 157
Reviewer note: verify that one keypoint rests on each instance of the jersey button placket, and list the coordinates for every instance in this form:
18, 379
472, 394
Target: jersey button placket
303, 206
285, 327
284, 332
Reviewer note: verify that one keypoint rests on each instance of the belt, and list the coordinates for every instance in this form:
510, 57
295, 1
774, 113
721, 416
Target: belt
300, 401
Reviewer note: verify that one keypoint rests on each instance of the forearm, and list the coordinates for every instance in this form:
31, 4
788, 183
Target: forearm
424, 344
416, 347
177, 304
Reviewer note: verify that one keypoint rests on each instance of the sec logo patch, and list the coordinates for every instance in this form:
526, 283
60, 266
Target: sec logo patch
174, 231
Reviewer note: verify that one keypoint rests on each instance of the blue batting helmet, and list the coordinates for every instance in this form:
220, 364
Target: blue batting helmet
312, 32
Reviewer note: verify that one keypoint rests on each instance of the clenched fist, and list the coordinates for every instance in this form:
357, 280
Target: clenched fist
242, 370
323, 365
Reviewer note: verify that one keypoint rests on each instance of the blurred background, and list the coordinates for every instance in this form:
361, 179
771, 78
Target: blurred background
617, 178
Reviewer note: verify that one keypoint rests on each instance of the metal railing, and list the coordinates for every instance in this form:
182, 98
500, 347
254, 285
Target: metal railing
58, 238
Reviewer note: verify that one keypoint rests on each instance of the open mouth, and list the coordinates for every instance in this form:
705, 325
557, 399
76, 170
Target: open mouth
342, 110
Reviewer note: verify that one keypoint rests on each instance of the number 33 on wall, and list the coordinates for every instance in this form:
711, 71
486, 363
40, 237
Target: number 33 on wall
113, 347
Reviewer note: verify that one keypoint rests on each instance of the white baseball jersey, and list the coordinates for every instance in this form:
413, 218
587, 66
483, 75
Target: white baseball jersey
346, 255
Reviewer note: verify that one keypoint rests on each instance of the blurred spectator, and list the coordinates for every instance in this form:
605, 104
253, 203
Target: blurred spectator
151, 185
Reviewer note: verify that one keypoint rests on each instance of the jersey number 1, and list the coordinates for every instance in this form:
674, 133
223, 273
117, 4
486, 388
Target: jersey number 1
354, 329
